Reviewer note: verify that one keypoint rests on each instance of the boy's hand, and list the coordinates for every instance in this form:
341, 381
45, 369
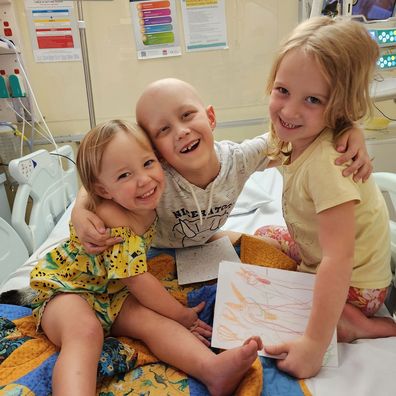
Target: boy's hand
304, 357
91, 232
353, 145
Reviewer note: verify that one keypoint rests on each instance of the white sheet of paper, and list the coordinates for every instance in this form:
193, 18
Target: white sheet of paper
201, 263
271, 303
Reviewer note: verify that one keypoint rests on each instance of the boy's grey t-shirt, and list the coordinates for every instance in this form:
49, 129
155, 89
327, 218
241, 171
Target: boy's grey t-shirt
179, 223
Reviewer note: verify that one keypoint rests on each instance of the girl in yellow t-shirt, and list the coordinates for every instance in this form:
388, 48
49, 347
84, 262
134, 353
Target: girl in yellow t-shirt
319, 86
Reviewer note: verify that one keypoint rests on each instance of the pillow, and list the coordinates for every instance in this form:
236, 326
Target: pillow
258, 252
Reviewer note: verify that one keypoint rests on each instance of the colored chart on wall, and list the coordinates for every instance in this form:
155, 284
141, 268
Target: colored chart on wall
53, 30
155, 28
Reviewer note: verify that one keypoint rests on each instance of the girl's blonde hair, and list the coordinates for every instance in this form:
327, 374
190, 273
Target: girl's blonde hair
94, 144
346, 55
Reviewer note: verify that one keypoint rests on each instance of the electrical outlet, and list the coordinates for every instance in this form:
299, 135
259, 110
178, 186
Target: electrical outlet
8, 24
9, 63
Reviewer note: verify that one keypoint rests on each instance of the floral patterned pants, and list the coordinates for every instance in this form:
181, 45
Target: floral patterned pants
367, 300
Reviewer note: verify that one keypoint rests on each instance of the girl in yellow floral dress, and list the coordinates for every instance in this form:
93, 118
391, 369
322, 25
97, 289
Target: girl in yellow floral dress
82, 298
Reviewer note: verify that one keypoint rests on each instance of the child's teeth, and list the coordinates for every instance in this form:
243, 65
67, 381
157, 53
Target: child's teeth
286, 124
189, 147
148, 193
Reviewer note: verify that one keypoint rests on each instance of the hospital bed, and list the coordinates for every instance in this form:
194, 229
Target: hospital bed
46, 187
366, 367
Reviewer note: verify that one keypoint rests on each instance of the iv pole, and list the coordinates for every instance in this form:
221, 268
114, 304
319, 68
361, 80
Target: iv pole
87, 73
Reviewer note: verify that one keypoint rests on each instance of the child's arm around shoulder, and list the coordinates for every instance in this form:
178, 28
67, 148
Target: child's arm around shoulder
353, 146
89, 227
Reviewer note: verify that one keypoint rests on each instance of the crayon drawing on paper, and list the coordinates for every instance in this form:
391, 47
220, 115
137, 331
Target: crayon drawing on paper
272, 303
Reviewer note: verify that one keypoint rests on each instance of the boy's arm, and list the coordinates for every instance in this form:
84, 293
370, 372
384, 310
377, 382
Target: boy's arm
353, 145
89, 228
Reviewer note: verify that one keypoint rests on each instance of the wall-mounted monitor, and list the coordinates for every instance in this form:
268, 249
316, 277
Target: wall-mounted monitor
374, 10
331, 8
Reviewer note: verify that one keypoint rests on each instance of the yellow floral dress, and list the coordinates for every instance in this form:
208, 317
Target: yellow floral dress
69, 269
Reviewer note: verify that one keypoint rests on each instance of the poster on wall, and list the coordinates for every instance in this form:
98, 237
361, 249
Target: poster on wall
53, 30
155, 27
204, 24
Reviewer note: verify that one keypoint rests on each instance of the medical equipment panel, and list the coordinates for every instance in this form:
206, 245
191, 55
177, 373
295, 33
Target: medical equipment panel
42, 177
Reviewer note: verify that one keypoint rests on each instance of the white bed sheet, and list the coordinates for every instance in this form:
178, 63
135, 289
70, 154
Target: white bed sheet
248, 217
367, 367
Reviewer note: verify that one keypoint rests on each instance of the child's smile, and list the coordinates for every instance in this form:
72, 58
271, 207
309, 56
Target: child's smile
150, 198
288, 125
190, 147
148, 194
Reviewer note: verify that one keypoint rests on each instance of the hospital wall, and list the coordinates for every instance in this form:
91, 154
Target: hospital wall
232, 80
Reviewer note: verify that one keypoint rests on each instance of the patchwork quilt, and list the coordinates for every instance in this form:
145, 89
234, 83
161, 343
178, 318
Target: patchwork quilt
126, 366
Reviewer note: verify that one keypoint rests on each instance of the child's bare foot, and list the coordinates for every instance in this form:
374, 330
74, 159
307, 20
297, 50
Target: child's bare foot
227, 369
353, 325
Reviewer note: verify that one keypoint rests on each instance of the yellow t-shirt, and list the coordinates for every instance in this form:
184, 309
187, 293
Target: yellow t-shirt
313, 183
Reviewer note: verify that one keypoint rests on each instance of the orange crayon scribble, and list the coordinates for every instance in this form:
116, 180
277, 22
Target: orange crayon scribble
237, 307
269, 315
237, 293
230, 315
226, 334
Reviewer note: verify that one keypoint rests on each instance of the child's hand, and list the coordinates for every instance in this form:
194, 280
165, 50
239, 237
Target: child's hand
198, 327
353, 145
91, 232
202, 331
304, 356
